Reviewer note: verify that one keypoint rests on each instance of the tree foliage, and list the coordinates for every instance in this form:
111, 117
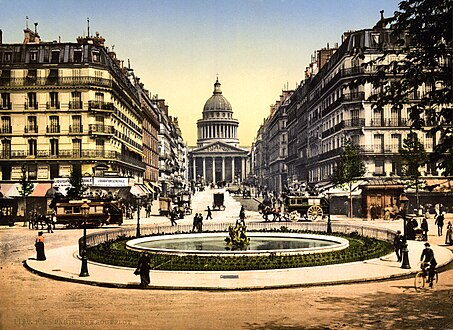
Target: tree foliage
417, 72
413, 157
76, 181
25, 186
350, 167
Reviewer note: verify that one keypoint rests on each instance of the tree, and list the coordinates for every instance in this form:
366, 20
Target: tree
25, 189
420, 68
349, 169
76, 181
413, 156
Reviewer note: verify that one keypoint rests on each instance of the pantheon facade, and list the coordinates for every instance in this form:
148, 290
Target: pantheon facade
217, 156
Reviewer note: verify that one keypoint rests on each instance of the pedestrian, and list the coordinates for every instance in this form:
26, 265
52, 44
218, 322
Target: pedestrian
195, 222
440, 223
200, 223
449, 234
209, 214
39, 245
173, 217
424, 227
428, 260
143, 268
373, 212
398, 245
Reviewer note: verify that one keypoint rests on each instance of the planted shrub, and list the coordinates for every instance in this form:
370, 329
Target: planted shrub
360, 248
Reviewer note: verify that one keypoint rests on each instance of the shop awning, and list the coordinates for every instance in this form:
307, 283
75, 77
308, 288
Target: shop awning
150, 188
137, 191
9, 190
40, 189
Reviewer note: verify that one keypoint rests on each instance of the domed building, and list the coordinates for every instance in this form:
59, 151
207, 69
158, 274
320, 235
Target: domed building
217, 157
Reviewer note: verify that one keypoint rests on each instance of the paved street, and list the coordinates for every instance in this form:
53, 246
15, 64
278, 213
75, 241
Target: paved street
29, 301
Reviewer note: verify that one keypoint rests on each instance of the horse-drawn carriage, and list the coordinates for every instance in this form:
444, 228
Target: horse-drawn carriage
164, 206
183, 202
101, 212
218, 203
309, 208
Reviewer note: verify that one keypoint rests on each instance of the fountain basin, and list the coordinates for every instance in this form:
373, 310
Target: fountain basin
213, 244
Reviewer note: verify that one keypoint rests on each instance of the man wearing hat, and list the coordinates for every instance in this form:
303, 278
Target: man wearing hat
427, 258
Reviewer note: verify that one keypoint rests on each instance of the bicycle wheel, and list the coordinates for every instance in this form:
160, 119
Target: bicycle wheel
419, 282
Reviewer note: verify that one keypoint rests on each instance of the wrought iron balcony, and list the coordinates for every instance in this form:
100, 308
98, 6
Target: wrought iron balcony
28, 105
31, 129
6, 129
53, 129
100, 129
6, 106
75, 128
53, 106
75, 105
100, 105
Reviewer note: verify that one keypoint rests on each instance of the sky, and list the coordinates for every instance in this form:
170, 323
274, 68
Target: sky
257, 48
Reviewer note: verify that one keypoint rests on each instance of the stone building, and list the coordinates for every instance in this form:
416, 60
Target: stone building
217, 156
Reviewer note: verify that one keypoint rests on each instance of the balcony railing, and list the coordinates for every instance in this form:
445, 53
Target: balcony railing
354, 97
60, 81
389, 122
31, 129
75, 128
6, 106
380, 149
354, 122
100, 129
53, 129
6, 129
49, 105
75, 105
100, 105
28, 105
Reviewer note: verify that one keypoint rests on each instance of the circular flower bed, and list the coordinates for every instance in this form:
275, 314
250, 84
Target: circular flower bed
360, 248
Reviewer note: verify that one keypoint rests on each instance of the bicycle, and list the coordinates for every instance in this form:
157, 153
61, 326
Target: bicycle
421, 277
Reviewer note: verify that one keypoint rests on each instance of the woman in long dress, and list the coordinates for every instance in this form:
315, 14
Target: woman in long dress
144, 268
39, 245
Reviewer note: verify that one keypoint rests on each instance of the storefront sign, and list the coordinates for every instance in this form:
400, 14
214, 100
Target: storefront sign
43, 172
110, 182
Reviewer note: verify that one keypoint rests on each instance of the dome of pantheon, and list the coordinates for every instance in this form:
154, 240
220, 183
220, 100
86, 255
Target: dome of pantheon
217, 102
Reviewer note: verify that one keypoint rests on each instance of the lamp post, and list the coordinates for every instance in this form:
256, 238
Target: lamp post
329, 222
85, 209
138, 201
405, 251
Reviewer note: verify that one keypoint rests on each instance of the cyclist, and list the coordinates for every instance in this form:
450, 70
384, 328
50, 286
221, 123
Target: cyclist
428, 260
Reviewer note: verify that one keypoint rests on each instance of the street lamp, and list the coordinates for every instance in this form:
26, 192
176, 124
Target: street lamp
138, 201
329, 222
404, 201
85, 210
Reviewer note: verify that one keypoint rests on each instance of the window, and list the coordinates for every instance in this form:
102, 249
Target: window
54, 147
379, 167
32, 147
32, 76
8, 56
6, 125
6, 149
32, 103
55, 57
33, 56
31, 127
96, 56
54, 103
77, 148
377, 117
6, 101
77, 56
52, 78
396, 142
76, 102
76, 124
54, 126
99, 148
379, 143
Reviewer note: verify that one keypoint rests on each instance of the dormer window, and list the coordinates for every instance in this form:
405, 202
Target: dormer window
33, 56
55, 56
77, 56
96, 56
8, 56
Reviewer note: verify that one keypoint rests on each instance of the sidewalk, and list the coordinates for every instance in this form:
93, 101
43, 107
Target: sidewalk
63, 263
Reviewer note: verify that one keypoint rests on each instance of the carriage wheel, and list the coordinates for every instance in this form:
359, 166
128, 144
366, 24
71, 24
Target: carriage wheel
294, 216
314, 212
